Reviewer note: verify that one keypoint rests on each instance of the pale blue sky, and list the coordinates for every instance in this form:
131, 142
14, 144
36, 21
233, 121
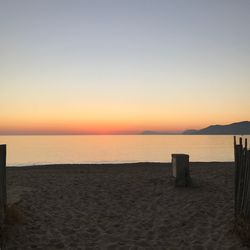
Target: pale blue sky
179, 63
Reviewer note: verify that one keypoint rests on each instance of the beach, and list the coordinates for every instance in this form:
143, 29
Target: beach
121, 206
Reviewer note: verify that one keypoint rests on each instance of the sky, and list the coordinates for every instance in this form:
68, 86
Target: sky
108, 67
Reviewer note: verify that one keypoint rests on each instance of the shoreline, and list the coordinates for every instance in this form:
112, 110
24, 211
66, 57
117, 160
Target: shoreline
125, 164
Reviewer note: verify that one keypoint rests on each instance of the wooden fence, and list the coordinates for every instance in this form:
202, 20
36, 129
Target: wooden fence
242, 189
3, 194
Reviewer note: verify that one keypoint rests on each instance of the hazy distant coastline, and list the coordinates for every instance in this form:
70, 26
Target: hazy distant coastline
238, 128
152, 132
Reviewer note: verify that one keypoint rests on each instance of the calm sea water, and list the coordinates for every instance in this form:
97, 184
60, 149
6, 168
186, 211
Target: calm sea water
29, 150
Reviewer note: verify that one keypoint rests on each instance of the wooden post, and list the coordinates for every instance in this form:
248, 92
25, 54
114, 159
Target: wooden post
247, 184
238, 175
245, 180
180, 167
247, 193
3, 194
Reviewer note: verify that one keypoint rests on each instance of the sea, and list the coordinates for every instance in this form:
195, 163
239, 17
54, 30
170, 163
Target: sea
74, 149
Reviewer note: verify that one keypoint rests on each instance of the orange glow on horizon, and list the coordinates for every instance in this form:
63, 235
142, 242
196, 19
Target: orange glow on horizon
95, 127
107, 120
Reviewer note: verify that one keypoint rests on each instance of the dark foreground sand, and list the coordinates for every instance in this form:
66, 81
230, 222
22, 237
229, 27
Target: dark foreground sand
128, 206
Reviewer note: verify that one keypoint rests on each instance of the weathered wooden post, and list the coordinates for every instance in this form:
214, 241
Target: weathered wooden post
3, 194
180, 167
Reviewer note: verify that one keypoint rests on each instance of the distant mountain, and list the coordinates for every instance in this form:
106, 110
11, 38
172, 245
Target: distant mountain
151, 132
189, 132
238, 128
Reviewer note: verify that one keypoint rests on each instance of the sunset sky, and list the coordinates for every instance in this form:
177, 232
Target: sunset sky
101, 66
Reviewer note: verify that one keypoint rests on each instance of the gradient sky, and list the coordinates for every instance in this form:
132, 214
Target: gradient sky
89, 66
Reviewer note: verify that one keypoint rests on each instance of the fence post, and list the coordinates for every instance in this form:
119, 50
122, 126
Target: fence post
3, 194
180, 167
242, 190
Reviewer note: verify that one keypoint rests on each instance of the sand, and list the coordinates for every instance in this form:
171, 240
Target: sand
126, 206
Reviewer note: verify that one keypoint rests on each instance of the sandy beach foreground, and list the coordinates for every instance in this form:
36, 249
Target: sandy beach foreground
121, 206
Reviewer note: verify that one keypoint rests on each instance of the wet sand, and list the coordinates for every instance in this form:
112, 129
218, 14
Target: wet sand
121, 206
